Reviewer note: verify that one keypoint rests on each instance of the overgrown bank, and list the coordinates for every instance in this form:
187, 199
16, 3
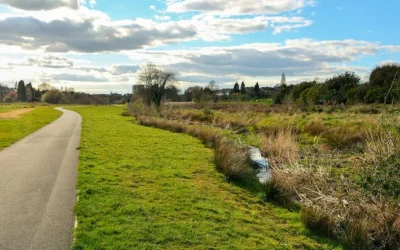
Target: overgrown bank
338, 164
145, 188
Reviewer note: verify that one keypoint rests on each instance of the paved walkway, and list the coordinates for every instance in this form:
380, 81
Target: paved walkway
37, 187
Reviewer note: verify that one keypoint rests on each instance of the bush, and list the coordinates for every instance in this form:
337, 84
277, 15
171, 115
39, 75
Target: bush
53, 96
7, 99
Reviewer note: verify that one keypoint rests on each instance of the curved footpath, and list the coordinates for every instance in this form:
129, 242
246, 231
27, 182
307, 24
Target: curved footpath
38, 187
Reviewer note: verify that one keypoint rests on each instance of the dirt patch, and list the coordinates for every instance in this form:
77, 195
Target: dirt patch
14, 114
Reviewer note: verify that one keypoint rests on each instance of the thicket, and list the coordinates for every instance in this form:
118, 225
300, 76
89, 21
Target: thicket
345, 88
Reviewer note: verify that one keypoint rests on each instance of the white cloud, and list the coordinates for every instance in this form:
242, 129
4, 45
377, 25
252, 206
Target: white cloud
37, 5
300, 59
41, 4
162, 18
89, 31
236, 7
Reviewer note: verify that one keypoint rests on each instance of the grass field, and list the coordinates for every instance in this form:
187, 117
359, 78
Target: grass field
12, 130
14, 106
145, 188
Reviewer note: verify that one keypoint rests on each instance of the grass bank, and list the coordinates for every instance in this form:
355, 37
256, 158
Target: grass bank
340, 164
13, 130
145, 188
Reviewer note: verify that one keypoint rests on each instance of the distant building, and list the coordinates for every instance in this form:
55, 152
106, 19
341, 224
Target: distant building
223, 92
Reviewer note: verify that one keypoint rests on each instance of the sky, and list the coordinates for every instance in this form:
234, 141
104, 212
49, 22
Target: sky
99, 46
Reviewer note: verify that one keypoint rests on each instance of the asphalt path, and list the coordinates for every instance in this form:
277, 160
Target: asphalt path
38, 187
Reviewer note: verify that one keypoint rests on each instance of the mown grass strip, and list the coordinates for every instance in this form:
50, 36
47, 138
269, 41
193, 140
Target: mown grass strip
145, 188
12, 130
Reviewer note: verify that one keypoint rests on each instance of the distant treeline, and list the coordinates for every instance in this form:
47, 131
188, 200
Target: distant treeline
383, 87
47, 93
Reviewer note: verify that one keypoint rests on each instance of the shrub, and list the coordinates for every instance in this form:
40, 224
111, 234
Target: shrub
8, 99
53, 96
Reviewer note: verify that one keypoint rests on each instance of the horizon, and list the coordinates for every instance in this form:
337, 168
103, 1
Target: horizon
98, 46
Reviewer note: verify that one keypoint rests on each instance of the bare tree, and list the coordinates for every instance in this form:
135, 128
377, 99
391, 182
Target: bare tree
155, 81
212, 85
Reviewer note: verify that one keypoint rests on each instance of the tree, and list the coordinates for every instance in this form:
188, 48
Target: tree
4, 90
21, 91
53, 96
172, 94
13, 95
385, 80
30, 92
155, 81
283, 80
338, 86
45, 87
212, 85
236, 88
243, 88
194, 94
257, 89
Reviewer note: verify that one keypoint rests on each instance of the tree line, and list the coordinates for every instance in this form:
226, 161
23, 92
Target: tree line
47, 93
383, 86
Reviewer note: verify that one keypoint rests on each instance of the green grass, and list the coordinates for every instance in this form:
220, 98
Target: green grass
145, 188
12, 130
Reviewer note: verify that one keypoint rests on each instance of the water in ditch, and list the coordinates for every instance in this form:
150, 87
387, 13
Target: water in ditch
261, 164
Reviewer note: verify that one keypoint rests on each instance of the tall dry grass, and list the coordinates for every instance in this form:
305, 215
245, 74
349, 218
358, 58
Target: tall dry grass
337, 207
281, 146
381, 144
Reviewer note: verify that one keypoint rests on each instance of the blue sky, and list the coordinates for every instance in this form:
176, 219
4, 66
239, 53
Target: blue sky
98, 46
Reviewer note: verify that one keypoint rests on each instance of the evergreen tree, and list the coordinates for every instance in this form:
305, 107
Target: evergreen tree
257, 89
243, 88
283, 80
30, 92
236, 88
21, 91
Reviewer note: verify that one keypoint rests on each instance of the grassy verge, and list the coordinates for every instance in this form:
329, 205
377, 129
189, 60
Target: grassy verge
4, 107
145, 188
12, 130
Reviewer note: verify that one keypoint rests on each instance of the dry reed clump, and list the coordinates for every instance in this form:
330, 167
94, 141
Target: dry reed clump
381, 144
337, 207
281, 147
317, 219
233, 160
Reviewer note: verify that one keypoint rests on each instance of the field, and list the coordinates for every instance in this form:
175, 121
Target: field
339, 164
146, 188
12, 130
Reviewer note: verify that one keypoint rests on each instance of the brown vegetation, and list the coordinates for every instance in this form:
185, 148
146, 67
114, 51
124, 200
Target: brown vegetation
15, 114
342, 173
